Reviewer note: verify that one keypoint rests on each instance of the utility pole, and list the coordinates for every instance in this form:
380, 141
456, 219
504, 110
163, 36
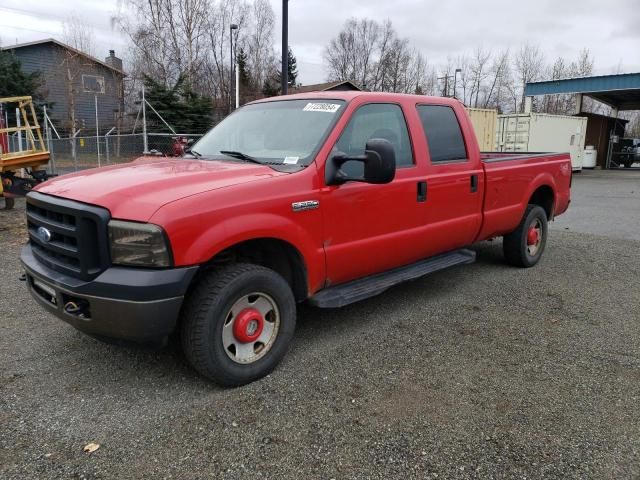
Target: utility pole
455, 82
144, 124
232, 27
446, 78
97, 131
237, 84
285, 46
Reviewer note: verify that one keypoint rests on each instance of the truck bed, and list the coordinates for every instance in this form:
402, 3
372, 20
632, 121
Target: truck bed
511, 178
503, 156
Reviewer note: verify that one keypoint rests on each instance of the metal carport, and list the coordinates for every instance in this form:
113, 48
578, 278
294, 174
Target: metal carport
620, 92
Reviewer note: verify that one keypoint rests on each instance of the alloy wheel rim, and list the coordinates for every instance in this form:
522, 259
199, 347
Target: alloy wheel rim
250, 328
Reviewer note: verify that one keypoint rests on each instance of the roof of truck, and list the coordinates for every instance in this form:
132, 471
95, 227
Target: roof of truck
348, 95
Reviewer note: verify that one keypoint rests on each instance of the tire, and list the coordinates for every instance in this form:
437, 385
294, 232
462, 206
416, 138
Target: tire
517, 246
226, 299
9, 203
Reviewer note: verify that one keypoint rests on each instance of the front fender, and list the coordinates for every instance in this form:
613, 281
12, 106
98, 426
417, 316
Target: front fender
194, 245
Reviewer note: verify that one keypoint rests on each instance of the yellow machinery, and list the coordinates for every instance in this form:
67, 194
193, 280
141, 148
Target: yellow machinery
13, 159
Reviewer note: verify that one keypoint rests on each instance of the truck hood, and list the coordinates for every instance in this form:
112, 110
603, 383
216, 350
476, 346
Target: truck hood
136, 190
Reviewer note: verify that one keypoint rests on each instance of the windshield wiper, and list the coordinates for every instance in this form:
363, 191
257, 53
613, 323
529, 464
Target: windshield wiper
193, 152
241, 156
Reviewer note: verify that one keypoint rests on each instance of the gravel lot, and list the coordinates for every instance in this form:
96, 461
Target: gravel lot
483, 371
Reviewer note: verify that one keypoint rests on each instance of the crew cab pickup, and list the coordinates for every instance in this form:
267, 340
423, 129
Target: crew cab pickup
327, 197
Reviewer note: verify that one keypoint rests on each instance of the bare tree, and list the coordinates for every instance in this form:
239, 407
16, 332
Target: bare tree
340, 54
529, 65
373, 56
258, 43
222, 15
499, 78
479, 72
167, 36
77, 33
191, 20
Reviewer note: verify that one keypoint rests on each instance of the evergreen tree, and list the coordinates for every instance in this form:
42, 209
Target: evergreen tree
292, 72
180, 106
245, 77
271, 84
15, 83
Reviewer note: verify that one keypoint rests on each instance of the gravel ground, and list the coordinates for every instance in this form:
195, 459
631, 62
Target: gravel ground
482, 371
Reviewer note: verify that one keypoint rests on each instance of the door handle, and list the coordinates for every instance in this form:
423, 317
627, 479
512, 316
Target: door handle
422, 191
474, 183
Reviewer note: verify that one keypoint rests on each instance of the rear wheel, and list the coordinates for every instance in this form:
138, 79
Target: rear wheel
9, 203
238, 323
524, 246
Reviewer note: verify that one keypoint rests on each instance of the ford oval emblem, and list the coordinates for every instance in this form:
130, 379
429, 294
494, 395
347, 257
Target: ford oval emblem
44, 234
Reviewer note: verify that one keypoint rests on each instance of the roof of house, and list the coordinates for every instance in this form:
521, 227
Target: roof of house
319, 87
62, 45
599, 115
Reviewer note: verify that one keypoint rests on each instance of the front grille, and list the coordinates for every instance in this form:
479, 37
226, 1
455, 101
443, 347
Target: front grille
67, 236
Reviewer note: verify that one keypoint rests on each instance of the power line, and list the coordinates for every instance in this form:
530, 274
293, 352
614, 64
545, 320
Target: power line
32, 13
30, 29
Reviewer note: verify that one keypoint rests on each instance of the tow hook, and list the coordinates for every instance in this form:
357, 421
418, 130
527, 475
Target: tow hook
71, 307
79, 309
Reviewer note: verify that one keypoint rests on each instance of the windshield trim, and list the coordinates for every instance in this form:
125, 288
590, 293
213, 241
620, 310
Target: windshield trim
323, 139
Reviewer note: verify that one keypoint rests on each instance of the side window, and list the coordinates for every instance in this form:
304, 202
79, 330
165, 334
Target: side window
443, 133
93, 83
375, 120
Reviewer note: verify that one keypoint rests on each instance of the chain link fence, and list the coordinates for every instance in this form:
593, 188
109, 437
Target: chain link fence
82, 152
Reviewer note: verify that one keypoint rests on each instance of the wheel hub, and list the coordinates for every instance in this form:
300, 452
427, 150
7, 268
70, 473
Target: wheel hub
533, 236
248, 325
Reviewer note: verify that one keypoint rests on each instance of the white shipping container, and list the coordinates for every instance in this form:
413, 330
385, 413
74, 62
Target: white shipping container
484, 124
541, 132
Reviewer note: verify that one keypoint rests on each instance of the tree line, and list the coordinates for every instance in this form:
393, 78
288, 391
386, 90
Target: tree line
181, 50
374, 56
184, 46
188, 43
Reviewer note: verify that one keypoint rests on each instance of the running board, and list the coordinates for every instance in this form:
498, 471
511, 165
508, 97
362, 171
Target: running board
356, 290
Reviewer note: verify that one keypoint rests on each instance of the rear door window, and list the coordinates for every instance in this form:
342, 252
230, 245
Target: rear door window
444, 136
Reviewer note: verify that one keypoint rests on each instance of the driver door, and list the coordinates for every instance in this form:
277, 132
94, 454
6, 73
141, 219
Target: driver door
372, 228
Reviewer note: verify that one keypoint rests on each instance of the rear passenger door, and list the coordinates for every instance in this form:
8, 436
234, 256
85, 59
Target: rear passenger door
455, 180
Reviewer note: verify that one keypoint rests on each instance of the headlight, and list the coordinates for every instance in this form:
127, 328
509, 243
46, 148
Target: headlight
138, 244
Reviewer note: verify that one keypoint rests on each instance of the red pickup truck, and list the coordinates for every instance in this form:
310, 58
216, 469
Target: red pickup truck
327, 197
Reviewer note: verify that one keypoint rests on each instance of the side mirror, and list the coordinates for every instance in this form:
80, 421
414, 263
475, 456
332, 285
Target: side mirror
379, 164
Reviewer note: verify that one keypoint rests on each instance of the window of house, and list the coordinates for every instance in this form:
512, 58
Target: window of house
93, 83
443, 133
375, 120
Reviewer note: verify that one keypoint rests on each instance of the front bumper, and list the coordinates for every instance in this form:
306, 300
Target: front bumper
134, 304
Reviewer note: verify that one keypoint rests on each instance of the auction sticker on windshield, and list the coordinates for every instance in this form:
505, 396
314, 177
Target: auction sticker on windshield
321, 107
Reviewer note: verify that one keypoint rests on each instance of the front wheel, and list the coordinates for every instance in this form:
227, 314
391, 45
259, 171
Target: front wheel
524, 246
237, 323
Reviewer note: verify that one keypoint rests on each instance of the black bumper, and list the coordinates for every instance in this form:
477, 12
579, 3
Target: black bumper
122, 303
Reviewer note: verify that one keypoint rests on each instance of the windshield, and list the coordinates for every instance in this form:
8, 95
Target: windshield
285, 132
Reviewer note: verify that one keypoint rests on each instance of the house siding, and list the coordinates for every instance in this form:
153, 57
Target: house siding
54, 64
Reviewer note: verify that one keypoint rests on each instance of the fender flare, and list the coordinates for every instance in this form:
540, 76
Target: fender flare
544, 179
233, 230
